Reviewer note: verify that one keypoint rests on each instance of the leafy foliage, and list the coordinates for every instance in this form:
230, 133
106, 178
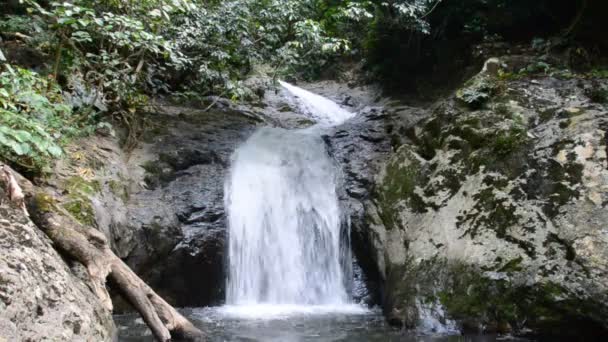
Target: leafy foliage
34, 119
222, 43
110, 49
108, 57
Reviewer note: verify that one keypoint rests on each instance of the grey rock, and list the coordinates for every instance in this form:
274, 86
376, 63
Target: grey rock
178, 220
41, 298
493, 204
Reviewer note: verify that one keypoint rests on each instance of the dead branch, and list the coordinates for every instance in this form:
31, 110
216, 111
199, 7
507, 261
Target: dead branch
14, 191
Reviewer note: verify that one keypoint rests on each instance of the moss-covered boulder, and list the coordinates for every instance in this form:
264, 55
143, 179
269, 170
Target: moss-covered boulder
492, 215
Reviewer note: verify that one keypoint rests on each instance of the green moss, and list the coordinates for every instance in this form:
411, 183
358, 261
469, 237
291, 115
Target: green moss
305, 122
473, 299
598, 73
496, 214
285, 109
77, 201
429, 140
503, 110
452, 180
44, 203
470, 296
474, 137
395, 140
78, 184
119, 190
561, 182
490, 213
510, 140
509, 76
547, 114
403, 175
513, 265
152, 167
597, 94
477, 91
570, 252
81, 209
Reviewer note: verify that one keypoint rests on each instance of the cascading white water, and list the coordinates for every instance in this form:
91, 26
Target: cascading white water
285, 241
319, 108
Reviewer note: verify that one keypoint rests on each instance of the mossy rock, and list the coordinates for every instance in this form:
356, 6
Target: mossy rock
81, 209
478, 301
77, 205
78, 202
402, 175
44, 203
477, 91
543, 307
119, 190
76, 184
510, 140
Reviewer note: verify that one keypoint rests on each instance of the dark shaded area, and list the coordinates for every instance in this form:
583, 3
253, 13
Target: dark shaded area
194, 279
430, 64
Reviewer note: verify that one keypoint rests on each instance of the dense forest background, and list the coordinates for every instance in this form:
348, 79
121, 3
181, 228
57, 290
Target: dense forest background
77, 67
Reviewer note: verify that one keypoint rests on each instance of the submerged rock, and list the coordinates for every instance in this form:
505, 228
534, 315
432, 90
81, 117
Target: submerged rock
41, 298
497, 212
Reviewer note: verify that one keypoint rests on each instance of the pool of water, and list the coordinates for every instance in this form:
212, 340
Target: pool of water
287, 324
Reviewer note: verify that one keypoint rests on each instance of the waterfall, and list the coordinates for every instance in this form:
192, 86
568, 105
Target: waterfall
324, 111
286, 244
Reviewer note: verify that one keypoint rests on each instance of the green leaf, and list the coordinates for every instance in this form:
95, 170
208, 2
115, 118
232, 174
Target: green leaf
55, 151
21, 136
66, 21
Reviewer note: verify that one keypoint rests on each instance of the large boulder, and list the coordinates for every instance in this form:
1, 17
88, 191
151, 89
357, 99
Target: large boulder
42, 298
493, 215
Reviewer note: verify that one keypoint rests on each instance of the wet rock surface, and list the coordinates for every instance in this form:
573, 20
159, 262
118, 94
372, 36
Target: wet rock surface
495, 211
177, 214
41, 298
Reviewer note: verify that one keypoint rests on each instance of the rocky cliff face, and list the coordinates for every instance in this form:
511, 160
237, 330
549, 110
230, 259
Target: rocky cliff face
41, 298
161, 205
492, 210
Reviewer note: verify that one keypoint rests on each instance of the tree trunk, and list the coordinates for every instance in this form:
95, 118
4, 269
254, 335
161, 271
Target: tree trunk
90, 247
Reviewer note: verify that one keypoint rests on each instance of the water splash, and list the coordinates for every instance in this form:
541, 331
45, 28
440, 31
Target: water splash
286, 237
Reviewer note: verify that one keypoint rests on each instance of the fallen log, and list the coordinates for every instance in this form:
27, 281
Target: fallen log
90, 247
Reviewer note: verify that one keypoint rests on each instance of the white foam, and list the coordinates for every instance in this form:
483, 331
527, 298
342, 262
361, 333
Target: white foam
270, 312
